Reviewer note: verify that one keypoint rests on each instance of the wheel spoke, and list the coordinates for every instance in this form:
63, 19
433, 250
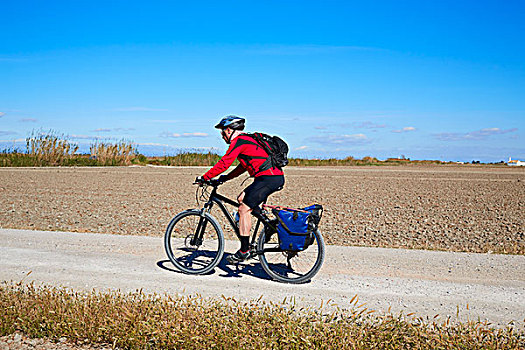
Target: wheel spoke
205, 252
287, 266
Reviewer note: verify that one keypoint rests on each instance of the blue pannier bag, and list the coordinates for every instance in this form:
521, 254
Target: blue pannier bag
296, 227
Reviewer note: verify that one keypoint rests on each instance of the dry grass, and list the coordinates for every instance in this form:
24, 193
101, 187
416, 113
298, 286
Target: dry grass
120, 153
143, 321
365, 161
54, 149
185, 159
49, 148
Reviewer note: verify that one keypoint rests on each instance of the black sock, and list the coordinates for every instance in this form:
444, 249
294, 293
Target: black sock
245, 243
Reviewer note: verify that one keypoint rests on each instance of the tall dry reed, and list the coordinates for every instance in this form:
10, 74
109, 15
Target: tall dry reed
119, 153
49, 148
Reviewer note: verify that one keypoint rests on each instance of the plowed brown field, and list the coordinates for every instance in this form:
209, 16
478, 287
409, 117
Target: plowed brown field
454, 208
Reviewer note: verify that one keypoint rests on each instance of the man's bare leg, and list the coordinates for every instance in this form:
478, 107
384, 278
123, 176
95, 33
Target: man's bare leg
245, 219
245, 226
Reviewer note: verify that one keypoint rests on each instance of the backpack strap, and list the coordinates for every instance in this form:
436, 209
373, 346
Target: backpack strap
257, 137
258, 141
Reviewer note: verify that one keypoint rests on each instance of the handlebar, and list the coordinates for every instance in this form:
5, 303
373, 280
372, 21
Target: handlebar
211, 182
202, 191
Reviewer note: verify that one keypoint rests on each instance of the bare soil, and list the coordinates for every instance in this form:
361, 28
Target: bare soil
450, 208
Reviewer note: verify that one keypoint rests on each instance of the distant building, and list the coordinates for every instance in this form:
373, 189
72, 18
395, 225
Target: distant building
515, 162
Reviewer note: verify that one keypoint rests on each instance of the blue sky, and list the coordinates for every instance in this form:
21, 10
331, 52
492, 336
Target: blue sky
424, 79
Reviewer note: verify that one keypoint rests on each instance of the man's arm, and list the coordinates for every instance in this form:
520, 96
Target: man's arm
224, 163
235, 172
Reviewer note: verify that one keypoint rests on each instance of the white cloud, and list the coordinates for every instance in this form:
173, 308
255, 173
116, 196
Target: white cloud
153, 144
209, 149
339, 140
355, 125
85, 137
2, 114
405, 129
301, 148
186, 134
139, 109
169, 134
114, 129
473, 135
369, 125
12, 140
28, 120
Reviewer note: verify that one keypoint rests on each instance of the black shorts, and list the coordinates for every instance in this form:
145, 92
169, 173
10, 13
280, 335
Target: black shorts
261, 188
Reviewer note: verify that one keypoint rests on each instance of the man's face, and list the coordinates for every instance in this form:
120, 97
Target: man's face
226, 133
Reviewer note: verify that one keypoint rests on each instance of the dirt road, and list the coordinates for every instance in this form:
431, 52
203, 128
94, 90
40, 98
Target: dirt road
485, 286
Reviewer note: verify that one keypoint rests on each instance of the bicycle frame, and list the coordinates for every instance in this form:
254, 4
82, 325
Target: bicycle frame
219, 199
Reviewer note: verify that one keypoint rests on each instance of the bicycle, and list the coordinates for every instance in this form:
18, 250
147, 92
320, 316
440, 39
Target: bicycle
194, 241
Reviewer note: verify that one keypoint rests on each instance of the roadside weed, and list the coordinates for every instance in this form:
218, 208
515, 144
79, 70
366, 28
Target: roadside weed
150, 321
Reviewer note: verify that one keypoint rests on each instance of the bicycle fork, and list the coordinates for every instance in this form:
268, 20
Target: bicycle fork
201, 227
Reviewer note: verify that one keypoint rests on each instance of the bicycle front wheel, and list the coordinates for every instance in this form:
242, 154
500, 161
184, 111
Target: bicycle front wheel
194, 243
287, 266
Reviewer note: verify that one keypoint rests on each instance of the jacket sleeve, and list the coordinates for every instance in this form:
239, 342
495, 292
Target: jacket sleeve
236, 172
225, 162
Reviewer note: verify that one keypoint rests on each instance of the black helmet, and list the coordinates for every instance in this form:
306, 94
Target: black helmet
231, 121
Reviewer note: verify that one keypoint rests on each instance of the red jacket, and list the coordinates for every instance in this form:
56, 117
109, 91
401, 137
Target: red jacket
252, 158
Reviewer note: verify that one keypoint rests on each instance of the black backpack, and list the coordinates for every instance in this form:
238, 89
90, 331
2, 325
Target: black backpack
276, 148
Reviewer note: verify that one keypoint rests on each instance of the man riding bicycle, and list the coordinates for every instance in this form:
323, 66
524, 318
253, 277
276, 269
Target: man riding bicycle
254, 159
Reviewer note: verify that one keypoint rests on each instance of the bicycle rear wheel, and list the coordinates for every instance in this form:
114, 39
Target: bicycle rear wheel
191, 255
287, 266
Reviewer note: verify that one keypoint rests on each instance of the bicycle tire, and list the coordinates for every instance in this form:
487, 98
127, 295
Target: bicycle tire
291, 267
194, 259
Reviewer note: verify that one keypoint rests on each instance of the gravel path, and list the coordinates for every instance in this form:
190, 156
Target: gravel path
486, 286
450, 208
18, 341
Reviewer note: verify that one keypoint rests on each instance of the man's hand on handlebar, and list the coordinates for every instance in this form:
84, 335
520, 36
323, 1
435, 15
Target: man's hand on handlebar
212, 182
199, 180
222, 179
